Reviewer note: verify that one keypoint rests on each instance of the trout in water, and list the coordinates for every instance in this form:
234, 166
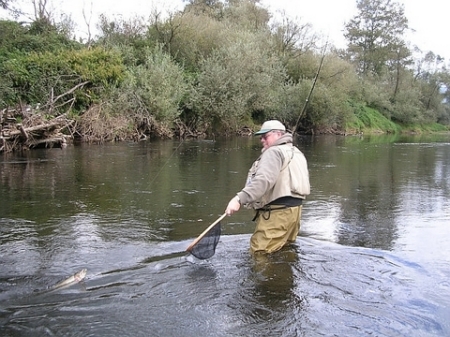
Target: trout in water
75, 278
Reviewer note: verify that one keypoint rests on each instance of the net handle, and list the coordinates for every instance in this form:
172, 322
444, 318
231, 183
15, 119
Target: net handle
188, 249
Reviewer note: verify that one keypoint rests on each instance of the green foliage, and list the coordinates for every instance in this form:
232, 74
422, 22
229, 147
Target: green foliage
152, 91
218, 66
98, 66
194, 40
304, 66
436, 127
369, 120
40, 77
245, 14
289, 100
375, 34
292, 39
327, 110
419, 128
236, 82
376, 96
40, 36
205, 8
127, 37
204, 26
407, 108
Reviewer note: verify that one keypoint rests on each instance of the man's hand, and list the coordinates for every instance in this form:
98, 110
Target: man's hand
233, 206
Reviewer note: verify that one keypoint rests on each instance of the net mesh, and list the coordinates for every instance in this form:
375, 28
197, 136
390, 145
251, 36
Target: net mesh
206, 246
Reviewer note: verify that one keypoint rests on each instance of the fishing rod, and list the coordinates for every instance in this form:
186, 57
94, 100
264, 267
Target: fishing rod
165, 163
311, 91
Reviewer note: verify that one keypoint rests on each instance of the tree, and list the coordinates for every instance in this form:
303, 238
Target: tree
4, 3
375, 35
432, 75
151, 93
212, 8
247, 14
41, 10
165, 31
292, 38
238, 82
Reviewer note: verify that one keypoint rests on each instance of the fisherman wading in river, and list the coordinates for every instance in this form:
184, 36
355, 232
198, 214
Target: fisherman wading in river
276, 186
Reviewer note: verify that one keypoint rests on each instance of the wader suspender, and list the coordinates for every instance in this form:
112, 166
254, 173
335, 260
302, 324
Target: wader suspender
269, 208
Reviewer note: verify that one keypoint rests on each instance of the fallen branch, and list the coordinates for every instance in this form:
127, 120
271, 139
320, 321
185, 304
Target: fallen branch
22, 131
47, 126
49, 142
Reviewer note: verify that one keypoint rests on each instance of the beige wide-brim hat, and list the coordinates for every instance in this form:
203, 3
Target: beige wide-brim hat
269, 126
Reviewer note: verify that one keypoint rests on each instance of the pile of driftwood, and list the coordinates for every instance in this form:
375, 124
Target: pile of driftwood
26, 128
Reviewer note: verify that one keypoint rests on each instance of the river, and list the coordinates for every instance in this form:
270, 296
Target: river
372, 258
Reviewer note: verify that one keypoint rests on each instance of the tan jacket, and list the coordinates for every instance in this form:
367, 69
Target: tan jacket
280, 171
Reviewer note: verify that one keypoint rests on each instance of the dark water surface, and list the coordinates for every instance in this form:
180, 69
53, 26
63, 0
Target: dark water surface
372, 258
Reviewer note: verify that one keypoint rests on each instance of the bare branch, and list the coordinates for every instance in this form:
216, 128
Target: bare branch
87, 21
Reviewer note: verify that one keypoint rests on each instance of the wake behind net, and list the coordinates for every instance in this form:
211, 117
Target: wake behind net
205, 245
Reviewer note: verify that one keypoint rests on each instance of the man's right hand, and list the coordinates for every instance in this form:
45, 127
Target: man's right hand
233, 206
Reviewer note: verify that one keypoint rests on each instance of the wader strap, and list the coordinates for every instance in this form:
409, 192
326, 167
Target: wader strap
265, 211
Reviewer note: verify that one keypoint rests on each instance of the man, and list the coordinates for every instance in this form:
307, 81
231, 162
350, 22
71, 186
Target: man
277, 183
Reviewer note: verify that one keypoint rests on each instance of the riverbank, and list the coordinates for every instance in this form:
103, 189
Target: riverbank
27, 129
372, 121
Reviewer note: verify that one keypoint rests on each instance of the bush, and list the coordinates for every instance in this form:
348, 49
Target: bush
41, 77
237, 82
152, 92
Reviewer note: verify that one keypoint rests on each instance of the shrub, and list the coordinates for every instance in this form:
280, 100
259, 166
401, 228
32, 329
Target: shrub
41, 77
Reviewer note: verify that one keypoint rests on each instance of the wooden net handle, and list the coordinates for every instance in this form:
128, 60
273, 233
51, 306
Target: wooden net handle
205, 232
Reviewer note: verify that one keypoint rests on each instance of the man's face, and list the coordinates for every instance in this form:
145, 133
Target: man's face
269, 138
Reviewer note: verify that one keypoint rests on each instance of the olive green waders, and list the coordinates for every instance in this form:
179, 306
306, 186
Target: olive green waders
276, 227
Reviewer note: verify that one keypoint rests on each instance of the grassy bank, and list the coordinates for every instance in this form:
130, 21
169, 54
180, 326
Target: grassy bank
370, 121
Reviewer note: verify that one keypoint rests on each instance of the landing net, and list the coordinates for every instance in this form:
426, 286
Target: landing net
206, 246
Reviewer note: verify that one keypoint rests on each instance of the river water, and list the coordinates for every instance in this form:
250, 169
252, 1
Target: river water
372, 258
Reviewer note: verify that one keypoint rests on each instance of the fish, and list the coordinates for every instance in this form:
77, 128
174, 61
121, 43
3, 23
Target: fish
75, 278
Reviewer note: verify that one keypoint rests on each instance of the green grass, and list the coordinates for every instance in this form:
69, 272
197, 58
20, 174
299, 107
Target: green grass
370, 121
424, 128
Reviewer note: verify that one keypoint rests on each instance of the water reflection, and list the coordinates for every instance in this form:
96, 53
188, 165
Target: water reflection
360, 191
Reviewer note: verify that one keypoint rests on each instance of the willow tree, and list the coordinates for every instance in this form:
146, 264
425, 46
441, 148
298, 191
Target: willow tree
211, 8
239, 82
247, 14
188, 37
293, 38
